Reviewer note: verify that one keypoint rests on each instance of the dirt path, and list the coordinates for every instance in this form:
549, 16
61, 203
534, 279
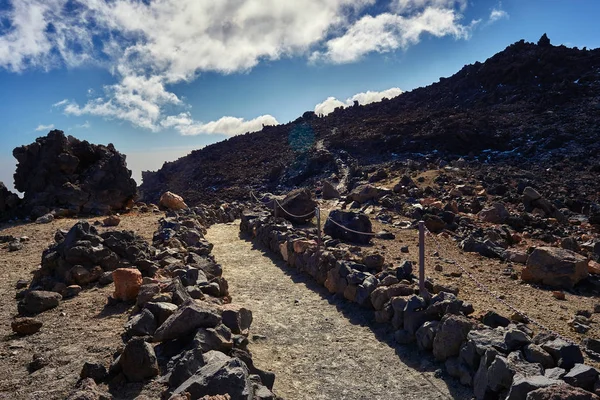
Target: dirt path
319, 346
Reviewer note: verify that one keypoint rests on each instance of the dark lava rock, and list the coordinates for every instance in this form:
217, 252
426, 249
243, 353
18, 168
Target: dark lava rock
58, 171
339, 220
26, 326
138, 360
37, 301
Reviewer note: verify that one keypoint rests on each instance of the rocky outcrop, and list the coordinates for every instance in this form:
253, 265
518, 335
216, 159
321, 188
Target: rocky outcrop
9, 202
64, 174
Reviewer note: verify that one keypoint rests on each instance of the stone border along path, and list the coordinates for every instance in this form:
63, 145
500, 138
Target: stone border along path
320, 347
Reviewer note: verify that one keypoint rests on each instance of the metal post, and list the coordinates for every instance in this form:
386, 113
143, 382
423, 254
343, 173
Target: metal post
318, 214
422, 290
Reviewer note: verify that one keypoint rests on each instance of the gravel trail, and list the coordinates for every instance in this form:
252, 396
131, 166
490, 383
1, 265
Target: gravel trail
320, 346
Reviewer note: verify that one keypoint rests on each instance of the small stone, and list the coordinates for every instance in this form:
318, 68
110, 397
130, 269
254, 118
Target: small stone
26, 326
15, 246
112, 220
38, 362
559, 295
404, 249
438, 268
94, 370
127, 283
21, 283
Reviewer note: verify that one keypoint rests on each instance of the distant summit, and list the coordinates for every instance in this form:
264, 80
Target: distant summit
528, 101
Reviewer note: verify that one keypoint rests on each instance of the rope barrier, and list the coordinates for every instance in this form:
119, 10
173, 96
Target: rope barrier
351, 230
293, 215
487, 290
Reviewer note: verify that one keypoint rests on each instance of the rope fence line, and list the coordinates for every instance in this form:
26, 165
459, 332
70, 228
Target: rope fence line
351, 230
492, 294
481, 285
293, 215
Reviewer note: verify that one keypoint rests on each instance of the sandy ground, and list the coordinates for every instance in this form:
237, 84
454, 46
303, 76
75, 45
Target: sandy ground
78, 330
319, 346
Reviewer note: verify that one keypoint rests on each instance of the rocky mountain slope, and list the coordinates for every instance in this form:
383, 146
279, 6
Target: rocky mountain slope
530, 107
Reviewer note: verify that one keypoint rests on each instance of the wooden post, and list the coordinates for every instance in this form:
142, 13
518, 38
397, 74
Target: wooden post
318, 214
422, 290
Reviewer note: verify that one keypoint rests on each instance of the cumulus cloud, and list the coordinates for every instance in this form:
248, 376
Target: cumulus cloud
388, 32
497, 14
44, 127
230, 126
149, 46
331, 103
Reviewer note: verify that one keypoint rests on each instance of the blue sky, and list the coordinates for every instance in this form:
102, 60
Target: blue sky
159, 78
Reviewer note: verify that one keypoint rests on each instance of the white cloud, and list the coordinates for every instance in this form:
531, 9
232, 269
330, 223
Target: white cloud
497, 14
85, 125
60, 103
230, 126
388, 32
330, 104
148, 46
44, 127
363, 98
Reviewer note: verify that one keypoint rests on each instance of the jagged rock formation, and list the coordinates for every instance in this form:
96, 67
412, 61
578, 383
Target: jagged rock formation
534, 103
9, 202
62, 173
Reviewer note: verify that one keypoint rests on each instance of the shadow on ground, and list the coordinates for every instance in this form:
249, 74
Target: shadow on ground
357, 315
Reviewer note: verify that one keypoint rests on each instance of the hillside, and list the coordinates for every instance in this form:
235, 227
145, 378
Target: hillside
534, 103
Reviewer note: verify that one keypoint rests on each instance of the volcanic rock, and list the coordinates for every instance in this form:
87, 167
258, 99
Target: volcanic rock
555, 267
58, 171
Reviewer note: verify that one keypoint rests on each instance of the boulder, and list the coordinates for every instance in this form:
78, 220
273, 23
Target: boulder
127, 283
220, 374
58, 171
561, 392
138, 361
338, 220
37, 301
25, 326
363, 193
218, 338
426, 334
172, 201
188, 318
383, 294
522, 385
329, 191
298, 206
582, 376
142, 324
450, 336
161, 310
496, 214
555, 373
94, 370
236, 318
535, 354
555, 267
565, 354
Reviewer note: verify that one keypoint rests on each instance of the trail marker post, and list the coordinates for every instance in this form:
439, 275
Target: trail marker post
318, 214
422, 290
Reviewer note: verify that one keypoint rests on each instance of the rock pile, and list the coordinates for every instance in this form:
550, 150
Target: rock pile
499, 358
63, 174
184, 326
